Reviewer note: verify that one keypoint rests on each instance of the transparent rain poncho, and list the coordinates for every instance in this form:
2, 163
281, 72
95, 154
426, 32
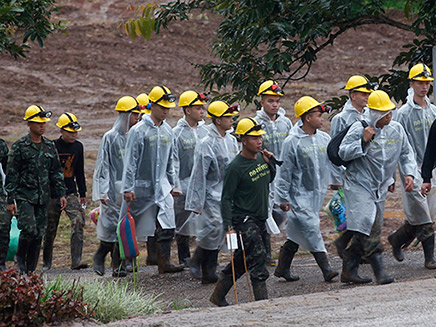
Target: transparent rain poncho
342, 120
107, 177
302, 182
185, 139
369, 175
149, 173
417, 122
212, 155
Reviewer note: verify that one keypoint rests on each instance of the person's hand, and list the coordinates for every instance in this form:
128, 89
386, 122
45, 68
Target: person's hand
266, 155
368, 134
285, 206
391, 187
103, 201
11, 208
63, 202
335, 187
176, 193
409, 183
129, 196
425, 188
83, 201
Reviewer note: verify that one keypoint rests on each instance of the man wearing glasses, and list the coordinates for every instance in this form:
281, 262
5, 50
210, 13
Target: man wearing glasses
72, 160
33, 168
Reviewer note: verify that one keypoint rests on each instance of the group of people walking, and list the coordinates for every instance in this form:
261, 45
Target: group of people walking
197, 180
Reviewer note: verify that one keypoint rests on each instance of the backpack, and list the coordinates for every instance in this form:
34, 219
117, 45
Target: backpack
335, 142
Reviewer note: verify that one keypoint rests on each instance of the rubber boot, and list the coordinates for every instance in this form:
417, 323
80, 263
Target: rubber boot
224, 284
163, 258
118, 265
259, 289
76, 255
350, 266
323, 263
196, 261
269, 260
21, 255
183, 249
208, 267
342, 241
151, 251
377, 266
428, 247
47, 253
33, 254
100, 255
404, 235
3, 254
286, 255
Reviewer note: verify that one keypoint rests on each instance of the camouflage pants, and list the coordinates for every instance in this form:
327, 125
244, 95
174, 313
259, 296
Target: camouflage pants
253, 235
363, 245
422, 232
5, 224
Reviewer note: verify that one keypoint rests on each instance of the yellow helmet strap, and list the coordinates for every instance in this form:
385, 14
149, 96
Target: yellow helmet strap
41, 113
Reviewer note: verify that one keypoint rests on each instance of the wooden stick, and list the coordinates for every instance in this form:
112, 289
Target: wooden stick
233, 270
246, 270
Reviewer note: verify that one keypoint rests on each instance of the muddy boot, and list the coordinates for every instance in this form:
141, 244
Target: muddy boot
224, 284
342, 241
428, 247
131, 265
286, 255
33, 254
100, 255
21, 255
377, 266
47, 253
398, 239
163, 258
76, 255
151, 251
269, 260
259, 289
118, 265
350, 266
208, 267
3, 254
196, 261
323, 263
183, 249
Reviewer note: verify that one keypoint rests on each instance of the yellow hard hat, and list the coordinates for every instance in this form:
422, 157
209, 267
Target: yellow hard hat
69, 123
37, 114
162, 96
359, 83
270, 88
304, 104
144, 103
420, 72
221, 109
249, 126
379, 100
127, 103
192, 98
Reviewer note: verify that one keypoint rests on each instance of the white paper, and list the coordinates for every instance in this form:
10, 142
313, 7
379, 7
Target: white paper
232, 241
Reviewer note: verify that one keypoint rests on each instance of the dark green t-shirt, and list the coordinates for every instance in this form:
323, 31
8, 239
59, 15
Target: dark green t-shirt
245, 190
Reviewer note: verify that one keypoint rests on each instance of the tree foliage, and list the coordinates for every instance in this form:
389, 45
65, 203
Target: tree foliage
23, 20
281, 39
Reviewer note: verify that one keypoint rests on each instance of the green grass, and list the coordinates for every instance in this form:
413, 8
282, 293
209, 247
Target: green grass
394, 4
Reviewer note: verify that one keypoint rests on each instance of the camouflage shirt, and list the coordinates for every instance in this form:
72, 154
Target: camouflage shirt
3, 154
30, 171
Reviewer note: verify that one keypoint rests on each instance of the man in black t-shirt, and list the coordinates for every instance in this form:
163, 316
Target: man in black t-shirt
71, 156
244, 208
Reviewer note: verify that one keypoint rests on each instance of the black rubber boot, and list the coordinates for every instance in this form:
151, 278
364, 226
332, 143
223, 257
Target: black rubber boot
259, 289
224, 284
47, 253
269, 260
151, 251
196, 262
350, 266
3, 253
208, 267
100, 255
118, 265
33, 254
287, 252
163, 258
428, 247
21, 255
76, 255
398, 240
183, 249
342, 241
323, 263
377, 266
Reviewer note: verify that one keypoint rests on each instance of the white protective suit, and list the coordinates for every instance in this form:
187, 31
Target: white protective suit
149, 173
185, 139
417, 122
302, 182
342, 120
368, 177
212, 155
107, 177
276, 133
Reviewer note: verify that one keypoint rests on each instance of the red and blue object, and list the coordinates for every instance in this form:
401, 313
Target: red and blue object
126, 234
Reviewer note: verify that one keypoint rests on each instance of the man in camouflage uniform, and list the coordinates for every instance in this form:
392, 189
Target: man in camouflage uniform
5, 217
33, 163
244, 208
